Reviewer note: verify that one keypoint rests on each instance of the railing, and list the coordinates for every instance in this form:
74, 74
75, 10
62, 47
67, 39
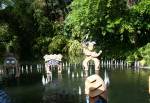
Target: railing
40, 68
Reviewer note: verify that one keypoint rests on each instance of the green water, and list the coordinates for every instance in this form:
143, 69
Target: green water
126, 86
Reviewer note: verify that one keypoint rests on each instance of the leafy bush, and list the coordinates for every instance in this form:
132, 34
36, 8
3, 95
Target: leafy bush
74, 48
58, 44
142, 54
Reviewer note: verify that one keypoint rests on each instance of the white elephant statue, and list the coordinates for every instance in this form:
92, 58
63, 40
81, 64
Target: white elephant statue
53, 60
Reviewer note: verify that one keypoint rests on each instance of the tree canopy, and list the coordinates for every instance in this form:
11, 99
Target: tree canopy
36, 27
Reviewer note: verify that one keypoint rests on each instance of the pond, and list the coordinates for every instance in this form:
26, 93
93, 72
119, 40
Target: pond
127, 85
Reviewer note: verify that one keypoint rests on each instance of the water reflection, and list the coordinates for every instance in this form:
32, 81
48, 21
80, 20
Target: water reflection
65, 88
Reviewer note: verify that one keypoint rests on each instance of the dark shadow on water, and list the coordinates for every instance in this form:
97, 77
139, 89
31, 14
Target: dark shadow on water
127, 85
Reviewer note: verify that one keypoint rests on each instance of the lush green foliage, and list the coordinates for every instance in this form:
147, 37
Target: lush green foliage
3, 32
99, 19
74, 48
118, 28
142, 54
139, 16
33, 25
57, 44
36, 27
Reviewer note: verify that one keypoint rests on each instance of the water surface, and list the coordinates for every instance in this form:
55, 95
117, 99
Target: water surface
127, 85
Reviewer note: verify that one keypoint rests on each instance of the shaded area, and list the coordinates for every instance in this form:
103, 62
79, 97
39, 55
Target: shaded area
126, 85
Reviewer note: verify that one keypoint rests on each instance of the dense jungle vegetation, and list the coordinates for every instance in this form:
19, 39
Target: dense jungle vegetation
33, 28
